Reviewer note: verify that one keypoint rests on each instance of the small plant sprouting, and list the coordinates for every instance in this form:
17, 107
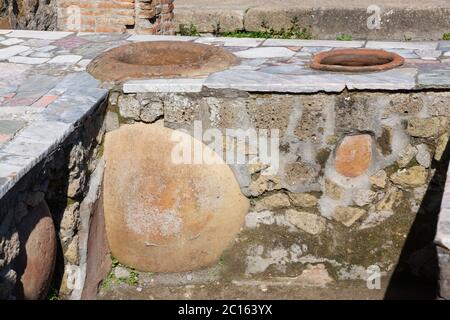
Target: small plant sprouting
53, 295
293, 32
106, 284
446, 36
344, 37
133, 279
190, 30
114, 262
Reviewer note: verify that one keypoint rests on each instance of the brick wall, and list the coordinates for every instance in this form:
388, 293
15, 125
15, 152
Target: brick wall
133, 16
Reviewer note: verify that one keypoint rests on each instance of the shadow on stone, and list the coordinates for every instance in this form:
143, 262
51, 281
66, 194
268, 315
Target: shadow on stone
416, 274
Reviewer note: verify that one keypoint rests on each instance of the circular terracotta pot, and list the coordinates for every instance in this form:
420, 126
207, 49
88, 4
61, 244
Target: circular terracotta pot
36, 261
356, 60
160, 59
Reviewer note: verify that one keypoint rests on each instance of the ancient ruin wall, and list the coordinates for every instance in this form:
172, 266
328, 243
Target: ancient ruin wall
134, 16
28, 14
378, 211
63, 181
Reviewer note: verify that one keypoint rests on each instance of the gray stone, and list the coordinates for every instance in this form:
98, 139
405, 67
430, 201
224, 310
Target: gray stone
436, 77
10, 127
111, 121
439, 105
362, 197
406, 156
396, 79
162, 85
423, 156
152, 111
266, 52
9, 52
313, 43
129, 107
121, 272
423, 45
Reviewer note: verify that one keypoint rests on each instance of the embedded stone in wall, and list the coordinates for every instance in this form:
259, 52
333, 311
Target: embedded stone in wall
413, 177
271, 202
354, 155
305, 200
162, 216
36, 260
348, 215
441, 146
308, 222
379, 179
423, 128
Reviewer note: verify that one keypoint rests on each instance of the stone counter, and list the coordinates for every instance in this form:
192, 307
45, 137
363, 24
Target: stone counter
318, 208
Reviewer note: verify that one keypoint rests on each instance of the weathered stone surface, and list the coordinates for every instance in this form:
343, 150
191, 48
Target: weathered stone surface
441, 146
423, 155
37, 256
162, 216
379, 179
402, 104
440, 105
121, 272
315, 276
390, 200
72, 252
264, 183
274, 201
354, 155
129, 107
375, 218
308, 222
424, 128
362, 197
98, 260
333, 190
304, 200
406, 156
299, 174
348, 215
412, 177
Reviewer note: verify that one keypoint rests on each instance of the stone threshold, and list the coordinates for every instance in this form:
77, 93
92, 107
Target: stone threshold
325, 19
45, 90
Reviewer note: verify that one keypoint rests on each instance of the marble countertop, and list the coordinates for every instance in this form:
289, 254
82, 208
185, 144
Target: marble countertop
45, 90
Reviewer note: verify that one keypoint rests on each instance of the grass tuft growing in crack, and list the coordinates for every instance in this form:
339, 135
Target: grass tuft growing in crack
344, 37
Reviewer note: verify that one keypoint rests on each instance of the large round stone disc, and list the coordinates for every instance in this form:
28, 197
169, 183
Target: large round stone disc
37, 256
162, 216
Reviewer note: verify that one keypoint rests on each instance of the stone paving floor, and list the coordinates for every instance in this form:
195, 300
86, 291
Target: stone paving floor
45, 90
